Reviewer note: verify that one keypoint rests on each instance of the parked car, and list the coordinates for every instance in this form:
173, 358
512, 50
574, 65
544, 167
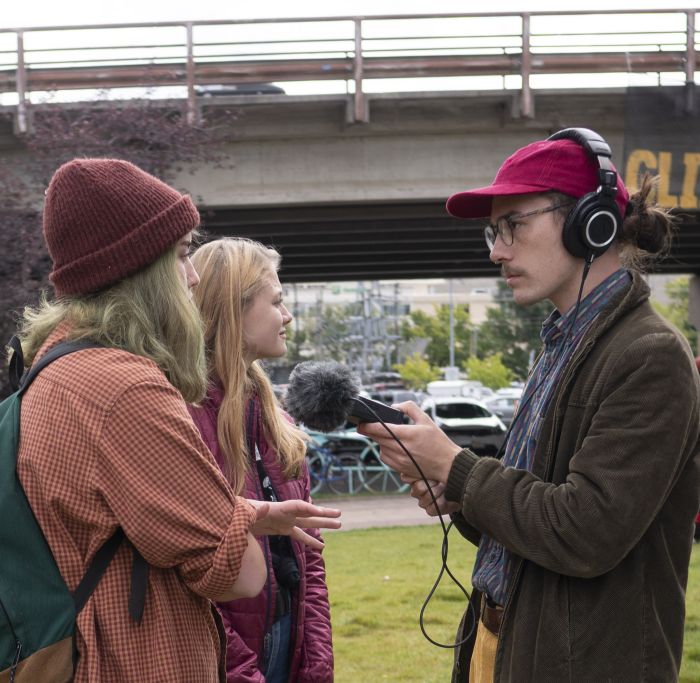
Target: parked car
237, 89
514, 389
391, 396
504, 407
467, 422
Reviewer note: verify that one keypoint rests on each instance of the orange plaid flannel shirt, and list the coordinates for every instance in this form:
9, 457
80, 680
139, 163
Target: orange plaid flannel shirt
106, 442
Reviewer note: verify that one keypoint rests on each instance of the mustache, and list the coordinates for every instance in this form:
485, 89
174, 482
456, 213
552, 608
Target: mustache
510, 272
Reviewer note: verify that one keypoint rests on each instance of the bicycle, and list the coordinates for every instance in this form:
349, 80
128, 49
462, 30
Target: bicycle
361, 456
341, 473
378, 478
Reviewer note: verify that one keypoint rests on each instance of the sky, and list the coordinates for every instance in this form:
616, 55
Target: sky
18, 13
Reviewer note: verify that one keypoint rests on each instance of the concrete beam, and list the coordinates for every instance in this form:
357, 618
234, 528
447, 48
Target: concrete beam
289, 150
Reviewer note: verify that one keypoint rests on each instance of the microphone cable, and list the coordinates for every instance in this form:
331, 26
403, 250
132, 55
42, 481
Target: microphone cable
445, 569
587, 266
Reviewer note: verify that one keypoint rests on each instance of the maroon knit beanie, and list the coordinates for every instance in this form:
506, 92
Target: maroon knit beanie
105, 219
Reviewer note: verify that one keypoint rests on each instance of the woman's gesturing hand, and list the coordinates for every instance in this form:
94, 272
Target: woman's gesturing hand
290, 517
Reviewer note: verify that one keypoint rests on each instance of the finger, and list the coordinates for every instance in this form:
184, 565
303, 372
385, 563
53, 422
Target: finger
413, 411
406, 479
307, 539
401, 465
432, 511
418, 490
433, 505
324, 512
301, 508
371, 430
391, 460
424, 498
427, 499
421, 487
318, 523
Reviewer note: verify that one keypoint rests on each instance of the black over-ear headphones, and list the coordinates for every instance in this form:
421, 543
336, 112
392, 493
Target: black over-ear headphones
592, 225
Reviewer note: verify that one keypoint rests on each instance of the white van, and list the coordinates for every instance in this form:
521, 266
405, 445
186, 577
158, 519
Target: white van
459, 387
446, 387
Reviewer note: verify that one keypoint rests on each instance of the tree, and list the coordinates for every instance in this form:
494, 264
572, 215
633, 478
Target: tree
436, 328
153, 135
513, 331
676, 311
416, 372
490, 371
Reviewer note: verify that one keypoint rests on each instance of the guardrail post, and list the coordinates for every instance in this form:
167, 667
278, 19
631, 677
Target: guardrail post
526, 104
361, 110
690, 62
192, 114
22, 122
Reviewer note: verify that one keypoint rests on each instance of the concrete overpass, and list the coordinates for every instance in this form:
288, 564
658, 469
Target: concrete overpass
344, 200
353, 186
351, 201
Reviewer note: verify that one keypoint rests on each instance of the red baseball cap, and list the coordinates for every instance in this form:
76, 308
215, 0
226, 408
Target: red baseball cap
543, 166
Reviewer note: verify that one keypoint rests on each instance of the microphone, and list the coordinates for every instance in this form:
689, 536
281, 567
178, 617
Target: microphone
325, 395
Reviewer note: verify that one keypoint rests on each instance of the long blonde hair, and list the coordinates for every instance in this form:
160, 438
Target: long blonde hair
149, 314
232, 272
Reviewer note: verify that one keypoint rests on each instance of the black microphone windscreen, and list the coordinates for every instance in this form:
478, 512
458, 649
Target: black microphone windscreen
320, 394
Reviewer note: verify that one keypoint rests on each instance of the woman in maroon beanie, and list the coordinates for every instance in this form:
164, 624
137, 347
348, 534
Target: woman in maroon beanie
284, 634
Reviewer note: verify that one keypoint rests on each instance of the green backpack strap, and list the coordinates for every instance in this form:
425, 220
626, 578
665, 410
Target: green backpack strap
102, 558
16, 367
21, 380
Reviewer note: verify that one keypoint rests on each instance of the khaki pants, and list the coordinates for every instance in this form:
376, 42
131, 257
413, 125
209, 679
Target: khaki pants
483, 657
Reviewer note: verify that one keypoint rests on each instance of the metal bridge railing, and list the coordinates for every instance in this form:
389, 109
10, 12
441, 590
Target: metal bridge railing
350, 49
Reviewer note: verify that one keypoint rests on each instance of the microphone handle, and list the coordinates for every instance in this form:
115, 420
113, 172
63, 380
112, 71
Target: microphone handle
368, 410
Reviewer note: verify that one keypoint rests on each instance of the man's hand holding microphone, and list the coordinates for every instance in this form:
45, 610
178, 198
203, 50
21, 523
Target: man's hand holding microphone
325, 395
430, 447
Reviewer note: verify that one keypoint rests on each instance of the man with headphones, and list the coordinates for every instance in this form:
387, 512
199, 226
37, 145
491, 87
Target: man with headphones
584, 527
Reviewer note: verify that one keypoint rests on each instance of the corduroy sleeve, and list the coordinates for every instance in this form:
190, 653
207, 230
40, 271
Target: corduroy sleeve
165, 490
454, 489
459, 473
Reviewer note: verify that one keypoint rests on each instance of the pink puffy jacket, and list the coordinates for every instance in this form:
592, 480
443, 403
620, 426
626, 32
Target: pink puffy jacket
247, 621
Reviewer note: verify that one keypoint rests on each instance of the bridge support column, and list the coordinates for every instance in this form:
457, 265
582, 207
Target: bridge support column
690, 62
360, 112
527, 109
21, 120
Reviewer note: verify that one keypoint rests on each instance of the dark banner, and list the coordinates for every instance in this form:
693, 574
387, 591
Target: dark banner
663, 138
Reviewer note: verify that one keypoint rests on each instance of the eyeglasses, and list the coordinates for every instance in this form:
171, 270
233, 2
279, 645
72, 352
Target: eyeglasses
505, 225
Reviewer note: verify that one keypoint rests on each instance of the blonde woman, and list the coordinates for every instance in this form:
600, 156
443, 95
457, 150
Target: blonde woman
284, 634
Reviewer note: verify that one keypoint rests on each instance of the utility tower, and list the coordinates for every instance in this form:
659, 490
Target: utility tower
373, 328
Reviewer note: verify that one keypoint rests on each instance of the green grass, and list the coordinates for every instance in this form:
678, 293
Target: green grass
378, 580
690, 668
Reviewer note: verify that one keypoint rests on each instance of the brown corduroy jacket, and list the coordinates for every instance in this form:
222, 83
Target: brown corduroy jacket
604, 523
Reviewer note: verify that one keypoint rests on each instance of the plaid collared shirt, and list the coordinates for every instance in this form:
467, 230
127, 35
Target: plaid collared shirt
494, 563
106, 442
